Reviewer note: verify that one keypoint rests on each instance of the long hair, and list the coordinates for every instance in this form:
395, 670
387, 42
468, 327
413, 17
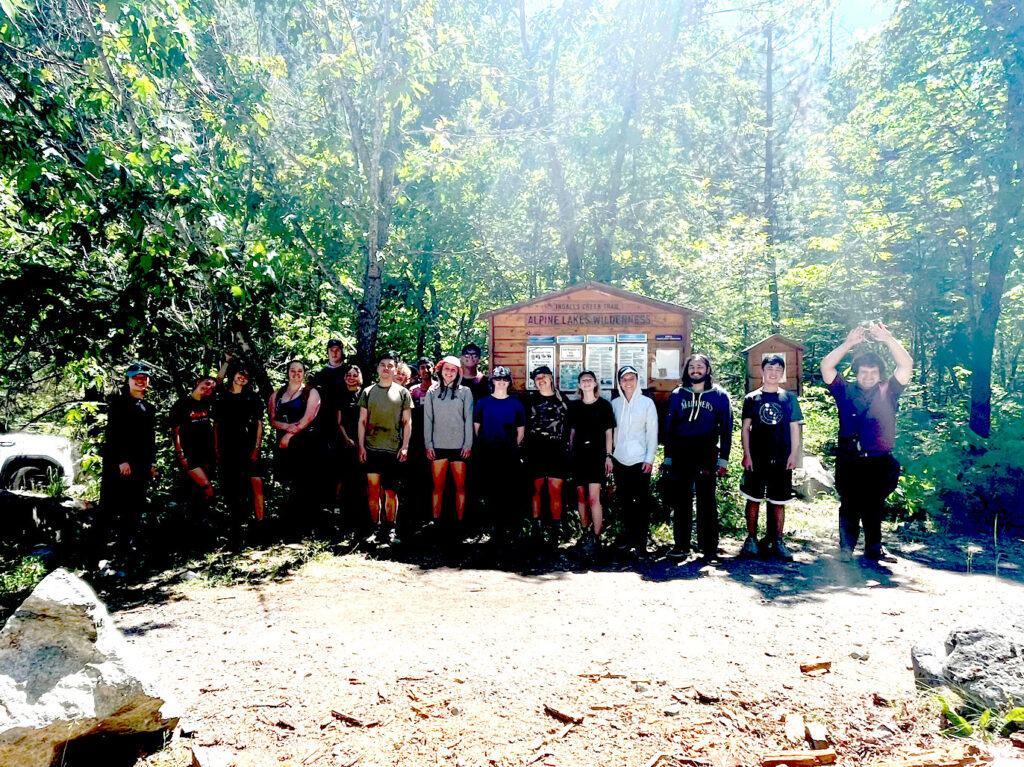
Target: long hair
236, 366
708, 380
451, 392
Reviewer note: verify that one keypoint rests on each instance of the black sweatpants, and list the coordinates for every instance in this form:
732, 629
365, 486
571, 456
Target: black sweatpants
863, 483
690, 480
633, 496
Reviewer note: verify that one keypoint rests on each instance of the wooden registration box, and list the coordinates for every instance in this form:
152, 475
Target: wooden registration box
593, 326
793, 353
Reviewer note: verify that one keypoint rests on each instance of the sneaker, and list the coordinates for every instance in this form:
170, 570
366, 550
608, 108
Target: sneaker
779, 550
391, 537
679, 552
750, 547
845, 555
375, 537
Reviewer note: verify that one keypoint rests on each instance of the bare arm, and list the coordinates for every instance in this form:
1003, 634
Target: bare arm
403, 451
745, 424
312, 408
794, 439
904, 362
364, 417
520, 434
830, 362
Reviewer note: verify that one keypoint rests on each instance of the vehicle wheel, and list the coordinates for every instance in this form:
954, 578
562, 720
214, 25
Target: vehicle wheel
29, 478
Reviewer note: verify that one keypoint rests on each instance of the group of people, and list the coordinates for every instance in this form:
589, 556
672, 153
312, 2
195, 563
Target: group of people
339, 442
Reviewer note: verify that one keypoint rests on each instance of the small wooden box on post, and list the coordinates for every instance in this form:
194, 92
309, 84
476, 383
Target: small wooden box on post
776, 344
593, 326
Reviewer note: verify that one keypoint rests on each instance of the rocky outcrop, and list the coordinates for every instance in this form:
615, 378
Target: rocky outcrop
983, 661
68, 674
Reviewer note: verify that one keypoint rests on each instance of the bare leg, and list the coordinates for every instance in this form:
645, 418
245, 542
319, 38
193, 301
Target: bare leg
596, 512
199, 477
459, 475
373, 495
753, 508
538, 486
776, 519
390, 505
257, 497
439, 473
581, 504
555, 497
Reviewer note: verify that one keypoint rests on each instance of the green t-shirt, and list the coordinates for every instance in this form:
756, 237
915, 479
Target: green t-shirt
384, 407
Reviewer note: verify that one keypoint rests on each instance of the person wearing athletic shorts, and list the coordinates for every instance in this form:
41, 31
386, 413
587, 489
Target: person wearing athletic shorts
385, 428
591, 430
770, 434
448, 435
192, 432
547, 449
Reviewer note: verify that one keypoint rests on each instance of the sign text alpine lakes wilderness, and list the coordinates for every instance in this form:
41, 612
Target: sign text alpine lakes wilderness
586, 320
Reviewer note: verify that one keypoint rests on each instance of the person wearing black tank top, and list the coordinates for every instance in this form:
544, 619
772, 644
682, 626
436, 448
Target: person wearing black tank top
293, 411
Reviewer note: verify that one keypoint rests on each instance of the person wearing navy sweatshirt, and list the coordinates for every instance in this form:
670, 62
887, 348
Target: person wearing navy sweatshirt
697, 436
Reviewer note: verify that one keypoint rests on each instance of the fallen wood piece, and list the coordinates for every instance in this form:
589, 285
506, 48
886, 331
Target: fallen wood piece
973, 756
817, 735
540, 756
565, 730
285, 723
349, 719
817, 665
707, 696
563, 716
799, 758
316, 754
794, 727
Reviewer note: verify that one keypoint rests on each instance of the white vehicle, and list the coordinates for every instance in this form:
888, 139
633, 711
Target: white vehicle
30, 461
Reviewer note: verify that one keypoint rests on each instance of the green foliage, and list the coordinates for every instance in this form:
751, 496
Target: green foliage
966, 721
20, 576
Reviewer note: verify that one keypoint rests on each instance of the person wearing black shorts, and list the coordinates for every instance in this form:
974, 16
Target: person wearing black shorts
591, 430
329, 381
385, 429
238, 431
770, 435
192, 434
547, 448
448, 435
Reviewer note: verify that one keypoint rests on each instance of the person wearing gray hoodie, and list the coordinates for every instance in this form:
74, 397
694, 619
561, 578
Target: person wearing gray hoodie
448, 434
698, 437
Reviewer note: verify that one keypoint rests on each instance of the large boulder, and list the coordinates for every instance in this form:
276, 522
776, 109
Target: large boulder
983, 661
68, 675
813, 478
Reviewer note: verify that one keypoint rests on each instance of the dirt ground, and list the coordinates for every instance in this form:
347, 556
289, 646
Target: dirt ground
438, 665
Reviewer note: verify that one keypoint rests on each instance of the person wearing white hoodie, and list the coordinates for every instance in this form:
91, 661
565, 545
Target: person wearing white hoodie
635, 443
448, 434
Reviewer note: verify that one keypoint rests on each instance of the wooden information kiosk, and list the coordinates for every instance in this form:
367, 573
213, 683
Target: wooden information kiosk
593, 326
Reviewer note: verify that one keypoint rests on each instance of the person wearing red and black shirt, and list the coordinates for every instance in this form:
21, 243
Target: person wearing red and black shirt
866, 471
192, 433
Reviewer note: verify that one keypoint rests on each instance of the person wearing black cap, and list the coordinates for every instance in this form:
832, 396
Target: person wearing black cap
499, 426
547, 448
192, 434
129, 460
698, 438
472, 378
330, 382
238, 430
635, 443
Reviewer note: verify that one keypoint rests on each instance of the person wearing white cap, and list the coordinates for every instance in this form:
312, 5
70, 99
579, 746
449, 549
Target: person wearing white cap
635, 443
448, 434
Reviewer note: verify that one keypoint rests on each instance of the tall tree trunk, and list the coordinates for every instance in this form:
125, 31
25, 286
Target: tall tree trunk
769, 172
1010, 164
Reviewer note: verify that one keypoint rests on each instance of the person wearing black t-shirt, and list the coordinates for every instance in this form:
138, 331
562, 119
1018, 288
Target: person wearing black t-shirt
472, 378
238, 431
547, 448
591, 428
329, 381
192, 434
771, 444
866, 471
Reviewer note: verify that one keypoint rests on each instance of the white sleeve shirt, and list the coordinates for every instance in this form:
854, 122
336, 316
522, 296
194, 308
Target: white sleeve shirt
636, 430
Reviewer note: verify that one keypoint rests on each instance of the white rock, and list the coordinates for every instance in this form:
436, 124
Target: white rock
67, 672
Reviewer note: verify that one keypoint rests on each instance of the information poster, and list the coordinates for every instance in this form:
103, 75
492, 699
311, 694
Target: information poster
569, 374
666, 364
601, 359
635, 355
570, 353
535, 357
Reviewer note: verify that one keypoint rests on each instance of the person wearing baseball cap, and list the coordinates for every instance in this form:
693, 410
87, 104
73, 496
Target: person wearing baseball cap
547, 450
499, 427
473, 378
329, 381
129, 462
635, 443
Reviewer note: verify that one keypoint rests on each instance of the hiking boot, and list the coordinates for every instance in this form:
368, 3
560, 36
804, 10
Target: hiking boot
750, 547
778, 550
880, 555
679, 552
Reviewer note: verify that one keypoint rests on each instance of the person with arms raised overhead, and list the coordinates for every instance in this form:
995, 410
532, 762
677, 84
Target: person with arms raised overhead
866, 471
